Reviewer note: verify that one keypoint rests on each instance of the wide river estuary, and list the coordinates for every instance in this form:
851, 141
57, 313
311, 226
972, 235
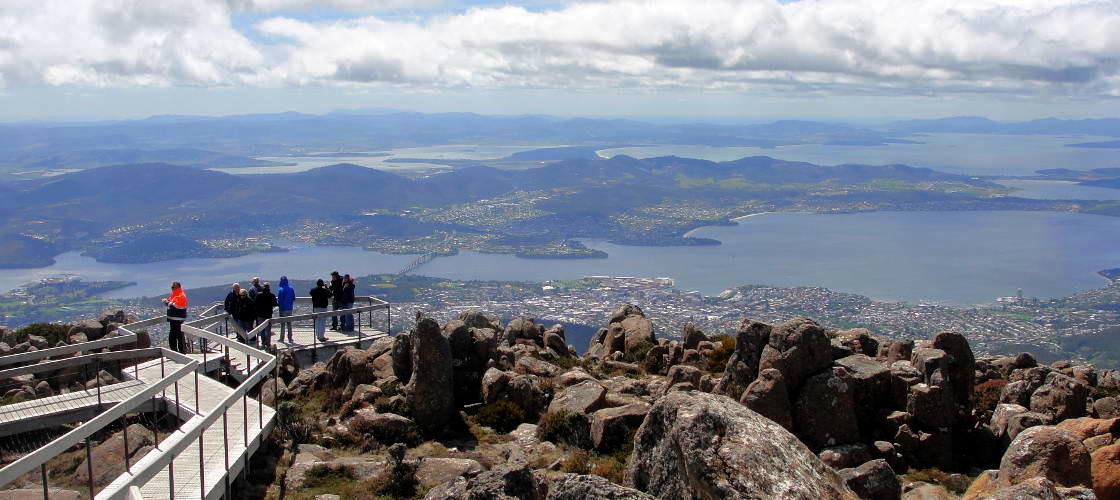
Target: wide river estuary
959, 258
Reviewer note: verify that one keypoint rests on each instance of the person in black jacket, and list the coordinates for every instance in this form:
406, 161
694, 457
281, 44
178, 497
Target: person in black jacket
265, 302
233, 298
320, 296
348, 287
246, 316
336, 292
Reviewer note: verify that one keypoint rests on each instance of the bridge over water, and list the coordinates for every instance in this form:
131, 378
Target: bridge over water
218, 426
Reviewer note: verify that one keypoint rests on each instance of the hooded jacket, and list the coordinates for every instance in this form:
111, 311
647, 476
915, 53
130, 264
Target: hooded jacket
285, 295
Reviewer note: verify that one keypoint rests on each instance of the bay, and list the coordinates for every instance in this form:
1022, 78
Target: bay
956, 258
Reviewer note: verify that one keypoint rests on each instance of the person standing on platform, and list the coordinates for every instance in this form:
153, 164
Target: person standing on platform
320, 296
265, 302
254, 287
336, 292
348, 287
286, 303
246, 316
233, 299
176, 315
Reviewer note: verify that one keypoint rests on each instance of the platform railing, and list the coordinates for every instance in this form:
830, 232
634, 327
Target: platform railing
107, 416
127, 486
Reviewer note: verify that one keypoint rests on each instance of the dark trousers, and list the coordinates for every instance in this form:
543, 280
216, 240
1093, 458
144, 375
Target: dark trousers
334, 319
175, 338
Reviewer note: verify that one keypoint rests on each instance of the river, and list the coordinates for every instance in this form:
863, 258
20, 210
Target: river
959, 258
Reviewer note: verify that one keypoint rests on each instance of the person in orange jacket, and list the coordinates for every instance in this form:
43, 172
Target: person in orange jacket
176, 315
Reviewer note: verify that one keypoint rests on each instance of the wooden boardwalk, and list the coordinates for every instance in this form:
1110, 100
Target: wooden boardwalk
63, 408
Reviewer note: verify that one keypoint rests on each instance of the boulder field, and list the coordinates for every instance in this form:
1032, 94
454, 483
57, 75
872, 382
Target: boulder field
791, 410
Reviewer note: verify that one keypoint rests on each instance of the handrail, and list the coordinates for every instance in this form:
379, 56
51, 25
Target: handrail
29, 462
198, 332
153, 463
81, 360
12, 359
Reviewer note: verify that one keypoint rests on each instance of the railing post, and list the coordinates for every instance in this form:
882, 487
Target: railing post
276, 383
388, 319
43, 472
201, 465
171, 478
89, 467
127, 465
97, 377
225, 445
155, 427
245, 423
197, 402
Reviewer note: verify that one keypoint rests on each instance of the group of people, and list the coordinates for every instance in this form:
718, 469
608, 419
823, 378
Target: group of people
254, 305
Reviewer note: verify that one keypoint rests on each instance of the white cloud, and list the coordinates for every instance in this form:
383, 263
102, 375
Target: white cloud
1063, 47
343, 5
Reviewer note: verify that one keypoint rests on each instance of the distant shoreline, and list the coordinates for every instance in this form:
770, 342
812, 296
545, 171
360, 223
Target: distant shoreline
734, 219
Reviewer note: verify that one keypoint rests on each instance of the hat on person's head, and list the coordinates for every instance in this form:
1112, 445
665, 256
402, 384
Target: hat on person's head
334, 273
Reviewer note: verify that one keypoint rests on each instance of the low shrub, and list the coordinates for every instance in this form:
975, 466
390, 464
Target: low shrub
320, 475
987, 394
565, 427
50, 331
717, 358
502, 415
638, 353
579, 462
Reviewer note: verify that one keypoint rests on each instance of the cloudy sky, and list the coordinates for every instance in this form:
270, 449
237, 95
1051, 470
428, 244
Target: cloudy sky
721, 59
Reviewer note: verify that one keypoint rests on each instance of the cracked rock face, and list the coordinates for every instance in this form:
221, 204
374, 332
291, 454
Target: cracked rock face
695, 445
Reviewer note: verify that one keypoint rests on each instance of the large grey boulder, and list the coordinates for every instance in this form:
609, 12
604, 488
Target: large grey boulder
589, 487
742, 367
1061, 397
695, 445
769, 396
798, 348
1046, 452
874, 480
962, 364
429, 392
824, 413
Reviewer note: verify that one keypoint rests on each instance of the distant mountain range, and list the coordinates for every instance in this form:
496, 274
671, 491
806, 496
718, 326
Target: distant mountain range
73, 209
1107, 127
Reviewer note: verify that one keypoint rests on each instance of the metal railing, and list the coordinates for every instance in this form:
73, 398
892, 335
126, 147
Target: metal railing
39, 457
127, 486
195, 422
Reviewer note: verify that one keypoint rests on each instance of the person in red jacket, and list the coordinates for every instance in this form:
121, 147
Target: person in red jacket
176, 315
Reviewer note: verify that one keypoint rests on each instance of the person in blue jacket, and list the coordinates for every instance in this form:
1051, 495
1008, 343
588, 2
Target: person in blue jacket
286, 302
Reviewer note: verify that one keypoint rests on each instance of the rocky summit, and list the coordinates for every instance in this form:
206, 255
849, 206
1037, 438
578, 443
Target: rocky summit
481, 409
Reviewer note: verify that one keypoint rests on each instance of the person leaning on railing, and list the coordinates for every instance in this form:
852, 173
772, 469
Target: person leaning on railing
336, 292
265, 302
348, 287
176, 315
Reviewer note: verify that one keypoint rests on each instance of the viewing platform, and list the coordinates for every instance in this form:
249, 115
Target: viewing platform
217, 425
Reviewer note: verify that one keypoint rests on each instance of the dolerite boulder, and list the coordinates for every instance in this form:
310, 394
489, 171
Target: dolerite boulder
511, 481
742, 367
1061, 397
348, 368
610, 426
1107, 407
637, 331
695, 445
683, 377
896, 350
797, 348
692, 336
769, 396
871, 385
429, 392
931, 407
402, 355
582, 398
1106, 472
962, 364
657, 360
859, 341
589, 487
1046, 452
874, 480
91, 329
624, 311
824, 412
523, 328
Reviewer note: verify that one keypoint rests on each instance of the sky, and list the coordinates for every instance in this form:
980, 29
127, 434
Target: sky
715, 59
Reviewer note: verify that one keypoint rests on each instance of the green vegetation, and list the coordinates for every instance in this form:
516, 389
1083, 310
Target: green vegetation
566, 428
502, 415
57, 300
50, 331
638, 353
717, 359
